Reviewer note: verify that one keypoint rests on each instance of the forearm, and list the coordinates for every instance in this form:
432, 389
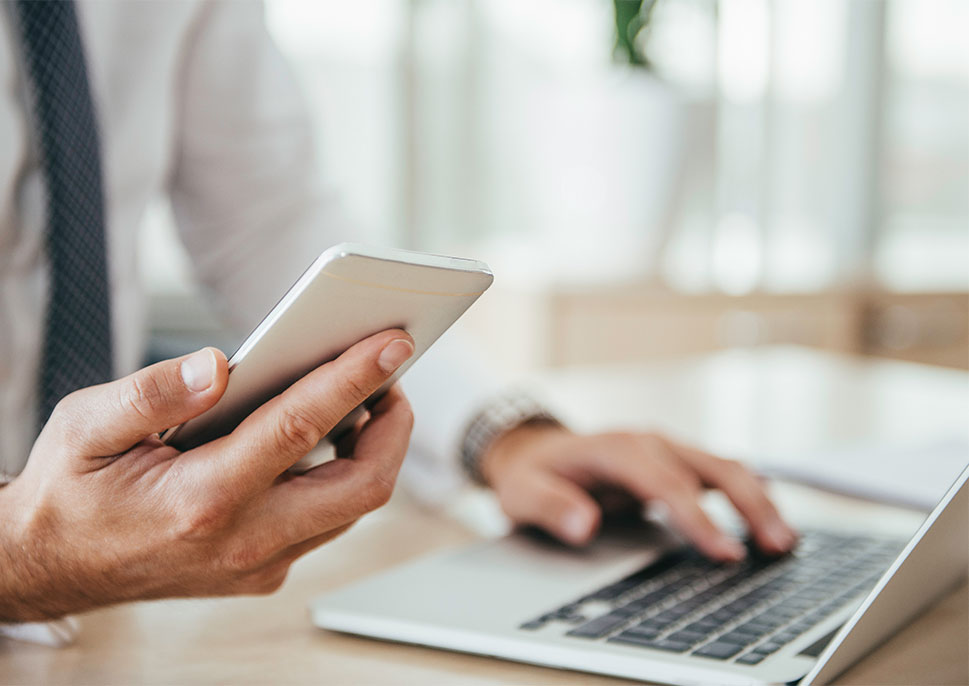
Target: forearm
29, 586
25, 610
515, 441
15, 573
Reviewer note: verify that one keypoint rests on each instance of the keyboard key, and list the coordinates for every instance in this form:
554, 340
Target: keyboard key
692, 604
599, 627
825, 574
606, 594
773, 617
704, 626
785, 636
785, 611
722, 615
718, 650
644, 634
800, 604
646, 629
668, 646
738, 638
769, 647
750, 659
670, 616
573, 619
647, 602
690, 637
663, 564
755, 628
568, 614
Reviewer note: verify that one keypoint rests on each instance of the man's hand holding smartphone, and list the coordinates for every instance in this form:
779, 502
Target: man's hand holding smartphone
104, 512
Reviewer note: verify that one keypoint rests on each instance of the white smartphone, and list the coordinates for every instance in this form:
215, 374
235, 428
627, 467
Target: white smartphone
350, 292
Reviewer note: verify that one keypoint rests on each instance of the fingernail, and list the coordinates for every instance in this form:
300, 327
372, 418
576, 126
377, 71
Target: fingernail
395, 354
575, 526
780, 536
198, 370
733, 549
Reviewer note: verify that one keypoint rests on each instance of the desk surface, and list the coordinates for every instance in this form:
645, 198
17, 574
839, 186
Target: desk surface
821, 400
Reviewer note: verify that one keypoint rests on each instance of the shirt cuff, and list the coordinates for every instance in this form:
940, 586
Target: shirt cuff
497, 417
55, 634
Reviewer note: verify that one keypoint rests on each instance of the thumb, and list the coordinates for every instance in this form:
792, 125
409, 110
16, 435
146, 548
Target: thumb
555, 504
111, 418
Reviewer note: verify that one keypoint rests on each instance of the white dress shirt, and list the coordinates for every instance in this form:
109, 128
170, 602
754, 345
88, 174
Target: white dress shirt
194, 102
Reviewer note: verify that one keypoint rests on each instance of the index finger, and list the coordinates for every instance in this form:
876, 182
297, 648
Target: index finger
651, 472
747, 494
281, 431
342, 490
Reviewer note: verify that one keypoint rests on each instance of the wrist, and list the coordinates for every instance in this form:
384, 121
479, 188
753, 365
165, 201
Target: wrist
12, 543
26, 591
508, 448
496, 419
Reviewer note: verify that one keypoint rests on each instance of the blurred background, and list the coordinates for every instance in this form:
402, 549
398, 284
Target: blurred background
648, 179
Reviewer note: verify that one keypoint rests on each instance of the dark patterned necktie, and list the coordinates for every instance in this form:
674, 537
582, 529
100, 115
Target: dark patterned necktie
77, 343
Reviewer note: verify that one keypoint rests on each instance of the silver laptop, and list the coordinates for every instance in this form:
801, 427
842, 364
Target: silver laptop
638, 604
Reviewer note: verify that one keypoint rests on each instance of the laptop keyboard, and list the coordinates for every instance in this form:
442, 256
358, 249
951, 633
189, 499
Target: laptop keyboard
742, 612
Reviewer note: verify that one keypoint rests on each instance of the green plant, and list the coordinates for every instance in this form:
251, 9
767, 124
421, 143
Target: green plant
632, 18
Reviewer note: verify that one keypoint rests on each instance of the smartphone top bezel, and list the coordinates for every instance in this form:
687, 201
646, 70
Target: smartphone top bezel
344, 250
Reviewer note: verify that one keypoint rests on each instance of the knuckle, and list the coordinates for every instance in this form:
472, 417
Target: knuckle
648, 445
202, 523
738, 474
407, 414
620, 437
615, 445
67, 415
663, 484
243, 556
267, 581
380, 487
746, 489
68, 404
628, 442
654, 440
691, 481
261, 584
351, 386
683, 489
549, 503
298, 430
142, 395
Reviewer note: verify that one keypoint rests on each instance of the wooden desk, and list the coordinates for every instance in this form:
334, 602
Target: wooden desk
720, 400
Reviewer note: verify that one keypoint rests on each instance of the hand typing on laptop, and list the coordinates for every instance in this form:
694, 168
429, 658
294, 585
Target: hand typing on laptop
545, 475
104, 512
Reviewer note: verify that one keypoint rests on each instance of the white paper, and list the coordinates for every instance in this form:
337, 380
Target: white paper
913, 475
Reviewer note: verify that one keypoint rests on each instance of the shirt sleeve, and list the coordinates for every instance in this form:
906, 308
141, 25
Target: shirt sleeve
446, 388
245, 188
246, 196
